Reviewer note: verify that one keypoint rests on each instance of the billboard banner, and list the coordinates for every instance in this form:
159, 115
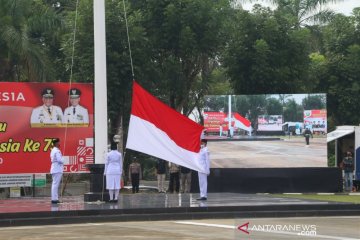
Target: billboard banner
32, 114
270, 122
316, 120
213, 121
218, 122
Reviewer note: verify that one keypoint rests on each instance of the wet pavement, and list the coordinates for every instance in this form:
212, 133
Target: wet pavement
155, 206
148, 200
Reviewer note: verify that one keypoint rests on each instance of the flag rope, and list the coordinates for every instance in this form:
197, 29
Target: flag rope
63, 185
71, 66
128, 39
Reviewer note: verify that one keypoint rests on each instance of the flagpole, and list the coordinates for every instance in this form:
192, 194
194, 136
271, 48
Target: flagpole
229, 116
100, 111
100, 84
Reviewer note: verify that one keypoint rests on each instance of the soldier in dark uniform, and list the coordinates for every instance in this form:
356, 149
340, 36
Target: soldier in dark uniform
307, 135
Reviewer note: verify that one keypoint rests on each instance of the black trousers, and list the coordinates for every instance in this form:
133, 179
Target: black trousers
174, 179
307, 140
135, 182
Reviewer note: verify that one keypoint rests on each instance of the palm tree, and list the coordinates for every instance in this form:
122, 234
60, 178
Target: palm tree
283, 98
303, 11
24, 29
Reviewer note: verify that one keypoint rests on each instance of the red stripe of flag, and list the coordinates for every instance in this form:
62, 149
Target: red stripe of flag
183, 131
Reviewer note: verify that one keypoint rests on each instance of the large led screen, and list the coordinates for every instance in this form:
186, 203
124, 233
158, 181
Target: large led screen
266, 131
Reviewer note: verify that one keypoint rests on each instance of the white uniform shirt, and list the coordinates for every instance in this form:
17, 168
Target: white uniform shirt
113, 163
205, 159
57, 162
80, 115
44, 114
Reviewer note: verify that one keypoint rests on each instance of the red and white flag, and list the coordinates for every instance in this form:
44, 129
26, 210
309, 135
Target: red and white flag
242, 122
160, 131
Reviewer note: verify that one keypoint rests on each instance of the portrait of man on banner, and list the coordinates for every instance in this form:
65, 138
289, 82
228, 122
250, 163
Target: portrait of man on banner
48, 113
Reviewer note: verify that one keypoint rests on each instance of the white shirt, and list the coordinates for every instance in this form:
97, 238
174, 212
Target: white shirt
205, 159
57, 162
113, 163
44, 114
80, 115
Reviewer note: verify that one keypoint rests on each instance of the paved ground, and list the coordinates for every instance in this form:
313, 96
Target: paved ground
341, 228
289, 152
150, 201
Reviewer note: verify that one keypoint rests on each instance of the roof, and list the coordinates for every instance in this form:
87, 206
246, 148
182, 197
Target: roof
339, 132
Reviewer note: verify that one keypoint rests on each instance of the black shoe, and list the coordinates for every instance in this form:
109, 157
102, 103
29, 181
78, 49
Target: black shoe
55, 201
115, 201
202, 199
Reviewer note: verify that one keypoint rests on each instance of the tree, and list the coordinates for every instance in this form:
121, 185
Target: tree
251, 106
216, 103
265, 53
339, 34
185, 38
283, 98
274, 106
338, 71
26, 30
293, 112
303, 12
314, 102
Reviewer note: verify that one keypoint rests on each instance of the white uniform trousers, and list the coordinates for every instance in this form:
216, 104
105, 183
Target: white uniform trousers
161, 182
56, 180
203, 184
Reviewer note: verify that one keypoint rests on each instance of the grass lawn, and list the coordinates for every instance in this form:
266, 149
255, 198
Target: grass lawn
335, 198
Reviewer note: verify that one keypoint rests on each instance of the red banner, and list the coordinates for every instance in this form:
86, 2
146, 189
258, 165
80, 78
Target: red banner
32, 114
316, 120
213, 121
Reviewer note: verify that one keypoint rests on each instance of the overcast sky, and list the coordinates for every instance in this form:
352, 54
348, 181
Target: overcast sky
345, 7
297, 97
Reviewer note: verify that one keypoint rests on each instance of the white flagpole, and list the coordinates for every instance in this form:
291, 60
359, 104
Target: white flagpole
100, 88
229, 116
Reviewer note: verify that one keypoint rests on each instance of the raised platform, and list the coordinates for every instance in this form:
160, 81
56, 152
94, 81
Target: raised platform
215, 138
153, 206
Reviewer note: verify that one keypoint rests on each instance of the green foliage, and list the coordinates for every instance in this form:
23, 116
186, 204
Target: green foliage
215, 103
219, 83
314, 102
293, 112
339, 75
304, 12
274, 107
266, 53
185, 38
28, 29
83, 56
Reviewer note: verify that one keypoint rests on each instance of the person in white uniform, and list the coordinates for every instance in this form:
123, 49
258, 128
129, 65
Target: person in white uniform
47, 113
113, 171
56, 170
205, 162
76, 113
